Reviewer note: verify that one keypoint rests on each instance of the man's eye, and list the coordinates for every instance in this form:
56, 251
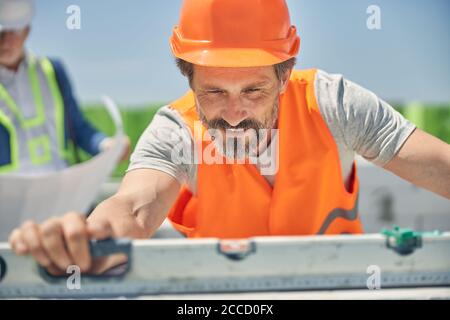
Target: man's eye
252, 90
215, 91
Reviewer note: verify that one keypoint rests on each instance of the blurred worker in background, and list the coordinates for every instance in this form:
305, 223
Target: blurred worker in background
239, 59
39, 116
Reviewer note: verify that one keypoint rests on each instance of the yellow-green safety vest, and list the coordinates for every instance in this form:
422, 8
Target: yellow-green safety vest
36, 137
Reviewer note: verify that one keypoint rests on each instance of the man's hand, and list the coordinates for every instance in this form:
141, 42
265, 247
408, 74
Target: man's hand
109, 142
61, 242
136, 211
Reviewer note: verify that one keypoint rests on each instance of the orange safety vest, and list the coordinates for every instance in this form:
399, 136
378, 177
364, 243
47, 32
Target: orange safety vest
308, 196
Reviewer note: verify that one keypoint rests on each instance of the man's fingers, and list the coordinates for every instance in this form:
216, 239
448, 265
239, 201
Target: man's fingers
100, 265
76, 236
30, 235
17, 243
101, 229
61, 242
53, 242
55, 271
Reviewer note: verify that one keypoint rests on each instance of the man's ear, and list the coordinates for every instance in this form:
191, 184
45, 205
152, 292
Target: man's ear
24, 35
285, 80
26, 32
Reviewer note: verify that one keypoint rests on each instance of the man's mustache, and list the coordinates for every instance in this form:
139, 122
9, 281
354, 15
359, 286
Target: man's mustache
244, 124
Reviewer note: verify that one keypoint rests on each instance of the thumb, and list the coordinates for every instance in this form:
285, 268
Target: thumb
99, 229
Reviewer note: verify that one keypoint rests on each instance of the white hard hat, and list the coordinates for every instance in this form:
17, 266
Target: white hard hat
15, 14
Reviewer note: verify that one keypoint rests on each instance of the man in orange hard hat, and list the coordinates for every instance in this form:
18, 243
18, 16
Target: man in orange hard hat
255, 148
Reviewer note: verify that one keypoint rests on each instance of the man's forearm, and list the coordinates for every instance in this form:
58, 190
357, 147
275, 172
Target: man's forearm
138, 209
437, 177
424, 161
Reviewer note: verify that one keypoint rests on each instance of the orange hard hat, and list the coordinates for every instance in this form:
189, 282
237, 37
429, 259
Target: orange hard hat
235, 33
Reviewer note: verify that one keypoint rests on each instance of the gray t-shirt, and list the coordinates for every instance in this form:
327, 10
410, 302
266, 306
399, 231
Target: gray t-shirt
359, 121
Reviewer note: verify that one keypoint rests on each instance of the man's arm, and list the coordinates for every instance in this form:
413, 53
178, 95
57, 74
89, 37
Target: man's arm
363, 123
135, 211
142, 202
424, 161
140, 205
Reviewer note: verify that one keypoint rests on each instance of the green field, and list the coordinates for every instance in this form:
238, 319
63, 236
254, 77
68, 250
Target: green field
434, 119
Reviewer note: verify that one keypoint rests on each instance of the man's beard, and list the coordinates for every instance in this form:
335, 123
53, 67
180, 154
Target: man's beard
244, 140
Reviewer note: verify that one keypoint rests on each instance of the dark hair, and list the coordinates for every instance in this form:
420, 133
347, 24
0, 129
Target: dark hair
187, 68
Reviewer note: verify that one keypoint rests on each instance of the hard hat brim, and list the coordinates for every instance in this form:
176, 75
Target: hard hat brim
233, 58
14, 26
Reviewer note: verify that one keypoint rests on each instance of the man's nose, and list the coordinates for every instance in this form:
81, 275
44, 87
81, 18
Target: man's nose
234, 113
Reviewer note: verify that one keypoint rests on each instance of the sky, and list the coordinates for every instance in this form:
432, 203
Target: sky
122, 47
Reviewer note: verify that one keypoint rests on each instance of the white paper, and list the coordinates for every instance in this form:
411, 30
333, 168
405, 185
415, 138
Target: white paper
38, 197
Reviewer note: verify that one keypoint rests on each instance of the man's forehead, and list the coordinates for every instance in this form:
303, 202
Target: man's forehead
215, 76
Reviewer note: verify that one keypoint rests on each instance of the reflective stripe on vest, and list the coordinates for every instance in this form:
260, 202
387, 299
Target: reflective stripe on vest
308, 196
34, 138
